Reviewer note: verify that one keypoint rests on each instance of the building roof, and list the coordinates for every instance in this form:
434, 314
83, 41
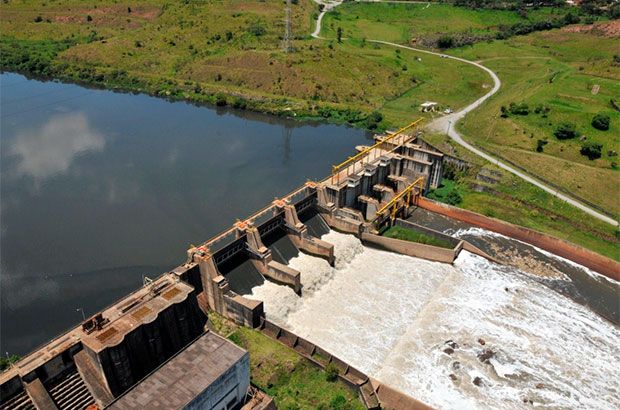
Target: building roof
179, 380
141, 306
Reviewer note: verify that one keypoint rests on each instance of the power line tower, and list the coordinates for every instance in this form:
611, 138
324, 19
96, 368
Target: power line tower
287, 42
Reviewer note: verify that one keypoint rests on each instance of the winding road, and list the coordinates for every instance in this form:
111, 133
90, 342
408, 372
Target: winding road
446, 124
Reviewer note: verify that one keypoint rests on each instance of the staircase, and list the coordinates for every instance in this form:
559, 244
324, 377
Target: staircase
71, 393
20, 402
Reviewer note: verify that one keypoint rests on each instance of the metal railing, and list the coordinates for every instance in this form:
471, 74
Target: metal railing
394, 202
366, 152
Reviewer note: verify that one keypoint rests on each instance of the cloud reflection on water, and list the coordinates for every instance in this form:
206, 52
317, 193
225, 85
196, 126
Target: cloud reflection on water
49, 150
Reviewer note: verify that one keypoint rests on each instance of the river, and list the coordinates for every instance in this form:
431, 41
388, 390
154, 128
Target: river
100, 188
472, 335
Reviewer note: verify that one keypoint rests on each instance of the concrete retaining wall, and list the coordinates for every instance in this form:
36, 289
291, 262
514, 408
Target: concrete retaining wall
426, 231
599, 263
319, 357
418, 250
284, 274
245, 312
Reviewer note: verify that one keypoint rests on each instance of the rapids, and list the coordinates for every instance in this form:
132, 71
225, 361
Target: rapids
419, 326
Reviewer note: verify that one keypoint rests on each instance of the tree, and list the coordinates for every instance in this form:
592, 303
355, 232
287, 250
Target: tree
128, 9
257, 30
565, 131
89, 18
601, 122
373, 120
445, 42
332, 371
339, 34
591, 149
540, 144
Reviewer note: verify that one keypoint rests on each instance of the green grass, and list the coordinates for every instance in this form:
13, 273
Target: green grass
402, 22
397, 232
206, 51
576, 62
291, 380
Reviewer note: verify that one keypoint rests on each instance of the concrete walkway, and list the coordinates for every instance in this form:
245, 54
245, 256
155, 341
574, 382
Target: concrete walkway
446, 124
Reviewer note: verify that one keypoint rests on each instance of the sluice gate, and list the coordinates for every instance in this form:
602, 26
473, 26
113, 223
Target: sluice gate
109, 353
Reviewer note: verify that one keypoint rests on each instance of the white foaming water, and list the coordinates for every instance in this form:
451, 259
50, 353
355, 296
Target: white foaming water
473, 231
390, 315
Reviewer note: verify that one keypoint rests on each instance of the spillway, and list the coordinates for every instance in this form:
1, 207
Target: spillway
419, 326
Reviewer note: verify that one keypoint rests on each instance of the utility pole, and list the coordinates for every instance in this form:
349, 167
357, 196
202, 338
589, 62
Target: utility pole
287, 42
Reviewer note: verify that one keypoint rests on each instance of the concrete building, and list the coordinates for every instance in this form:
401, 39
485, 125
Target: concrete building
107, 354
210, 374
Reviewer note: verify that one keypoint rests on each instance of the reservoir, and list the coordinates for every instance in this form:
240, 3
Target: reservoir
99, 189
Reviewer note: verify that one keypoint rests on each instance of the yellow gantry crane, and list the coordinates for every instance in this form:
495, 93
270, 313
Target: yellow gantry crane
394, 202
336, 169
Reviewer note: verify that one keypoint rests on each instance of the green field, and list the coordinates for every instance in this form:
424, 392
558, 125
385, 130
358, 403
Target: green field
291, 380
576, 62
397, 232
228, 53
402, 23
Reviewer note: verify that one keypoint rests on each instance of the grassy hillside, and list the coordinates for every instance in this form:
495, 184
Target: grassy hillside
558, 71
227, 52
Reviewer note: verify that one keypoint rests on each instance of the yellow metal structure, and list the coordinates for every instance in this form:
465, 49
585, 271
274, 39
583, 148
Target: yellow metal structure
394, 202
352, 160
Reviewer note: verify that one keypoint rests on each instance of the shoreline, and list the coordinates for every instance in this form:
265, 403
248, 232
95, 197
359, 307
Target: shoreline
212, 99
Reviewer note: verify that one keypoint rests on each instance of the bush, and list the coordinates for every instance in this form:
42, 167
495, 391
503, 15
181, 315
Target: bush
220, 100
565, 131
445, 42
332, 371
601, 122
257, 30
519, 109
454, 198
591, 150
540, 144
373, 120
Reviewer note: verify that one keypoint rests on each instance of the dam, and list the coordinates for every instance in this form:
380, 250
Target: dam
439, 325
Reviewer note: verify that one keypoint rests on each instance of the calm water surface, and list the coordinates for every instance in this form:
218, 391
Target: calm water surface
99, 188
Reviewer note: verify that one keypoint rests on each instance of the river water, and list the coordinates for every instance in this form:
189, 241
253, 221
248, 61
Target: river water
465, 336
100, 188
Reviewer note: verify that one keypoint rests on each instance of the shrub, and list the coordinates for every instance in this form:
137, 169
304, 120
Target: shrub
445, 42
519, 109
601, 122
540, 144
373, 120
565, 131
220, 100
454, 198
591, 150
332, 371
257, 30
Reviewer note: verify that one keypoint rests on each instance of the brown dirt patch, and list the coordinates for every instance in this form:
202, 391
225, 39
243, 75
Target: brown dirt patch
608, 29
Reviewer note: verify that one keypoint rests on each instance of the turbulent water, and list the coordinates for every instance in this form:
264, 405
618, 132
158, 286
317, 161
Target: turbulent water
418, 326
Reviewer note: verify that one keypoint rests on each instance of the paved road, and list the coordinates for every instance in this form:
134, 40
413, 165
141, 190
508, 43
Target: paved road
446, 124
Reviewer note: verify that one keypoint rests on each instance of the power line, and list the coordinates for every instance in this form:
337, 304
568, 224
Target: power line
287, 42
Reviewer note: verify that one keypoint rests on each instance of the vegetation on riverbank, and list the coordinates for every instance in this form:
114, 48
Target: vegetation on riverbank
397, 232
289, 378
229, 53
226, 53
521, 203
